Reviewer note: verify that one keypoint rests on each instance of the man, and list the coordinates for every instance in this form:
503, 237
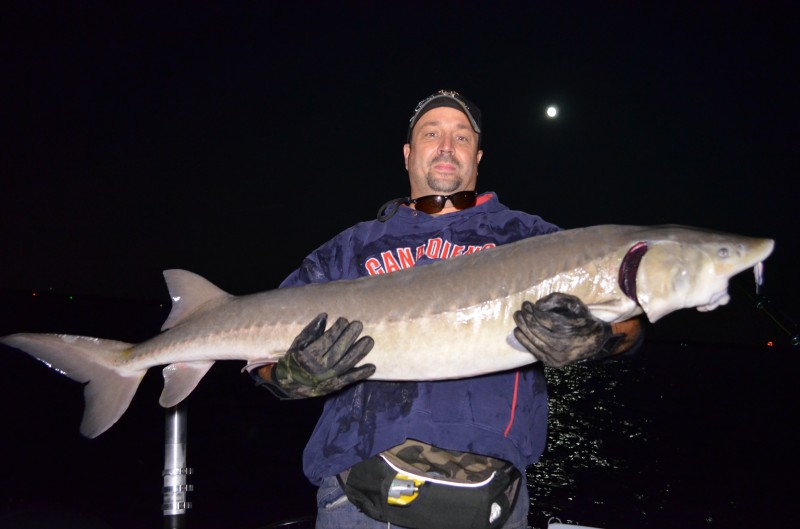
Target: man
499, 419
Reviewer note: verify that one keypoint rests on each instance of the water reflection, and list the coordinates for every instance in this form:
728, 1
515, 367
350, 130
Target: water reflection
589, 426
676, 436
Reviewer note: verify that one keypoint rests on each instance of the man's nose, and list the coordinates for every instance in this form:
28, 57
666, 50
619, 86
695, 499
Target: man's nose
446, 144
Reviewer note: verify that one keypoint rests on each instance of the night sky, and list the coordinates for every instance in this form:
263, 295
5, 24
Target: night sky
232, 139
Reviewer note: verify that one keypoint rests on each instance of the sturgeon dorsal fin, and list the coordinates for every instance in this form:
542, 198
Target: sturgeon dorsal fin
190, 294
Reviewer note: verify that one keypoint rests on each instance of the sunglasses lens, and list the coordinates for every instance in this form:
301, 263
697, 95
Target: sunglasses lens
463, 200
430, 204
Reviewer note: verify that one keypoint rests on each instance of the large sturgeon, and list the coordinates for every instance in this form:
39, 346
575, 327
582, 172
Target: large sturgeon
450, 319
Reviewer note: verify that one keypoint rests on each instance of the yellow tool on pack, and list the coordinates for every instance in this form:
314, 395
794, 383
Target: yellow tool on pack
403, 490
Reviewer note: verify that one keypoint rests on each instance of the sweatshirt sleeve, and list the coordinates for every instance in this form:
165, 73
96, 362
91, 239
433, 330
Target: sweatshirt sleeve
330, 262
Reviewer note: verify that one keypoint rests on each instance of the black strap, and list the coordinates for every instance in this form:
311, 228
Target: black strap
385, 212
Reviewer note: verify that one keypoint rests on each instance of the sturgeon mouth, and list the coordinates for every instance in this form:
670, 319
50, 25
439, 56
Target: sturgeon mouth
722, 297
719, 298
629, 268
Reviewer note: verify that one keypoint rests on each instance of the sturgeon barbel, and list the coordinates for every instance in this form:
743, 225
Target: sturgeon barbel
450, 319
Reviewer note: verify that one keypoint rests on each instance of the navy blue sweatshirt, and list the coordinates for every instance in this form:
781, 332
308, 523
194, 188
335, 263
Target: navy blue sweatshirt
501, 415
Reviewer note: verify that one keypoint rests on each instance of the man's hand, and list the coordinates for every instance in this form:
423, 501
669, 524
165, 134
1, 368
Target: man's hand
559, 330
319, 361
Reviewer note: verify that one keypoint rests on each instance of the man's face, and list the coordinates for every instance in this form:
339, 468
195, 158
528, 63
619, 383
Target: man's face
443, 155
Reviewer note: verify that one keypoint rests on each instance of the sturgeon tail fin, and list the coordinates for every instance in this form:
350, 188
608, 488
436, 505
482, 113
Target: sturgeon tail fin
109, 390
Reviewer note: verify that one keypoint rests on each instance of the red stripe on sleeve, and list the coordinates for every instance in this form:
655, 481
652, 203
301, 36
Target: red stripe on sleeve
513, 405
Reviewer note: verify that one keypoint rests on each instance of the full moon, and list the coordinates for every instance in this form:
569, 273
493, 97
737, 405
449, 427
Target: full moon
552, 111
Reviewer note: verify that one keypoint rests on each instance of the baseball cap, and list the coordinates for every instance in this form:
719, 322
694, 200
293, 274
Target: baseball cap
447, 98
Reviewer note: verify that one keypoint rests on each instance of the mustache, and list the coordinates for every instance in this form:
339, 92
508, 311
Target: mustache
446, 158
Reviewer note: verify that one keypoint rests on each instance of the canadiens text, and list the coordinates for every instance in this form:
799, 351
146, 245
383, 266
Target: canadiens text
436, 248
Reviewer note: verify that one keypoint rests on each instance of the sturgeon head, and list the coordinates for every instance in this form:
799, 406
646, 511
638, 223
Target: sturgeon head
685, 267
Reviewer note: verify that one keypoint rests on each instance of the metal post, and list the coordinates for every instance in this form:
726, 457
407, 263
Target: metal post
174, 504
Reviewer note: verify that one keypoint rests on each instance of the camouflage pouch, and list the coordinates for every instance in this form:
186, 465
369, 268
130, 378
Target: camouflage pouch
419, 486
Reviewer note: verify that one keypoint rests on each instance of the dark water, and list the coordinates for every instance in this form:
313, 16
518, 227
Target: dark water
677, 436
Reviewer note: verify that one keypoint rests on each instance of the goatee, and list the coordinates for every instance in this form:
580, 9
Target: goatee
443, 186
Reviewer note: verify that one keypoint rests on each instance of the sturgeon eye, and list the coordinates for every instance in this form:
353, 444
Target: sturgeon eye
723, 253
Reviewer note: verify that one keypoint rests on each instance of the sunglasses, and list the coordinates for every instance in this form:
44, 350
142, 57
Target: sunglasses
435, 203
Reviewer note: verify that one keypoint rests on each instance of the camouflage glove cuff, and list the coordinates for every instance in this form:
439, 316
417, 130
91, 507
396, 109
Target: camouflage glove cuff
320, 362
559, 330
268, 383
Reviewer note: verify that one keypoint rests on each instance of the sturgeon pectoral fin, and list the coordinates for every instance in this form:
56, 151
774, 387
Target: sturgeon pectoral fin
514, 343
258, 363
180, 379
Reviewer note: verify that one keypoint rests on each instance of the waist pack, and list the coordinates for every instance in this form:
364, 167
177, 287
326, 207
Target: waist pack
419, 486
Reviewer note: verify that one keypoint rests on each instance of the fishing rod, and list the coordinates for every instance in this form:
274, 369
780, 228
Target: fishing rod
779, 318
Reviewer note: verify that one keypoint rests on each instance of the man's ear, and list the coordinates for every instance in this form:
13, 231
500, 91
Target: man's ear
406, 151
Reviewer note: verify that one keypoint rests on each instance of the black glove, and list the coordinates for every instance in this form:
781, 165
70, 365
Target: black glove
559, 330
321, 362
